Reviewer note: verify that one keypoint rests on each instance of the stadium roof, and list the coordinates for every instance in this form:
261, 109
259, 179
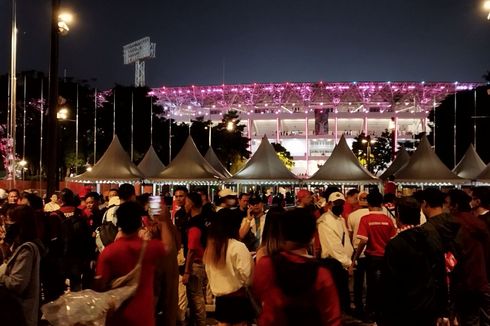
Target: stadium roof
290, 97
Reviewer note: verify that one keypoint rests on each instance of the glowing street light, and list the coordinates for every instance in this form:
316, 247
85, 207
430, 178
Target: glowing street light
369, 142
64, 19
62, 114
486, 6
230, 126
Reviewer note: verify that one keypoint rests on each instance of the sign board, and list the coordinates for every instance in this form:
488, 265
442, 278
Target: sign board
138, 50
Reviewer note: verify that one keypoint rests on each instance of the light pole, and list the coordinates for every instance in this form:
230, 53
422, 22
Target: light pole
13, 91
368, 141
59, 25
486, 7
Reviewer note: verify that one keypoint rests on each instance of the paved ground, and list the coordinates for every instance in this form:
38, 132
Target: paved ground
346, 321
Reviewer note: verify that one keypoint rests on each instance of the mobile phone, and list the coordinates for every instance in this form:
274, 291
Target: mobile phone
155, 207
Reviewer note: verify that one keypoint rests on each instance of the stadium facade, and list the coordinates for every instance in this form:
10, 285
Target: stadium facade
309, 118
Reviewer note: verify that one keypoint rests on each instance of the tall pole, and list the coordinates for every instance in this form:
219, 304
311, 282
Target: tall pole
455, 128
95, 126
151, 121
41, 137
76, 133
52, 122
24, 127
435, 126
8, 108
114, 114
474, 119
132, 124
169, 140
13, 88
24, 120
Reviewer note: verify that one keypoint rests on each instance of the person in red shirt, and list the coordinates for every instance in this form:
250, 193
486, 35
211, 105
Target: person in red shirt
351, 202
390, 186
194, 273
292, 287
121, 256
375, 231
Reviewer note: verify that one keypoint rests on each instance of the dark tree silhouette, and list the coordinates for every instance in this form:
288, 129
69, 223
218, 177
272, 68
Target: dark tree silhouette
471, 107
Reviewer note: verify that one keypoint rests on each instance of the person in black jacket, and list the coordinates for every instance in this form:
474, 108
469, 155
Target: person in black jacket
413, 280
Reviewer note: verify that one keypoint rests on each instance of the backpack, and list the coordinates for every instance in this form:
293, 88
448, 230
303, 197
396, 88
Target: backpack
107, 231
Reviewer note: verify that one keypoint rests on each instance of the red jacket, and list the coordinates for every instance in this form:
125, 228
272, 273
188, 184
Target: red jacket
472, 270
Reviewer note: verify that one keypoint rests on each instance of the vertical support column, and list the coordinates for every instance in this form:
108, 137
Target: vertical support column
336, 130
455, 128
395, 135
423, 121
249, 133
365, 125
474, 119
52, 121
278, 130
307, 153
95, 126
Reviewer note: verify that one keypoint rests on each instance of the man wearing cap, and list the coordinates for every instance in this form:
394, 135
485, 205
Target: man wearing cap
227, 199
336, 245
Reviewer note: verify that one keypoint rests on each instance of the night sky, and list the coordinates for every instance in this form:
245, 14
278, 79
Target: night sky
210, 41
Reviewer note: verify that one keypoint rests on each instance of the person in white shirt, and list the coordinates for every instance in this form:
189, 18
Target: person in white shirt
334, 237
229, 268
53, 205
336, 247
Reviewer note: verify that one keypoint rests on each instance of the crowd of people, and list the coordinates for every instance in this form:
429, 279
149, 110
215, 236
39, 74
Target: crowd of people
417, 260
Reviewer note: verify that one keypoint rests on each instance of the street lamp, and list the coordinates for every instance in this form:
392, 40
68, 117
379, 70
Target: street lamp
62, 114
23, 164
486, 6
59, 25
368, 141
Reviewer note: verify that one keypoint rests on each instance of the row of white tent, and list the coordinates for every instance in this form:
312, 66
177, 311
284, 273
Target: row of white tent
423, 167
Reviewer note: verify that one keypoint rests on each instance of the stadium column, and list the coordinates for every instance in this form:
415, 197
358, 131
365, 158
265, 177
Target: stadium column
423, 121
395, 135
249, 133
278, 130
336, 130
365, 125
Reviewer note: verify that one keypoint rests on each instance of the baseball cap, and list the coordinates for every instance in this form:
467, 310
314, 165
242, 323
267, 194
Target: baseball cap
336, 196
226, 192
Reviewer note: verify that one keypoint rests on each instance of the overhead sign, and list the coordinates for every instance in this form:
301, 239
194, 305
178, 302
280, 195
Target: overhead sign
138, 50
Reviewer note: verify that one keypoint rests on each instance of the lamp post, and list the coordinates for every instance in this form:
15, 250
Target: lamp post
486, 7
368, 141
59, 25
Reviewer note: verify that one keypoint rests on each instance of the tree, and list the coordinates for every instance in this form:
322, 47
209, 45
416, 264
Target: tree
228, 141
284, 155
380, 149
471, 111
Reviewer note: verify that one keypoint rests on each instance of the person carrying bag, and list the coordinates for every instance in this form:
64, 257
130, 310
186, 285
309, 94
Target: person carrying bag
91, 308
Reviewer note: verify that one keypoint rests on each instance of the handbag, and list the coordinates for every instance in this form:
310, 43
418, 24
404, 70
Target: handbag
91, 308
